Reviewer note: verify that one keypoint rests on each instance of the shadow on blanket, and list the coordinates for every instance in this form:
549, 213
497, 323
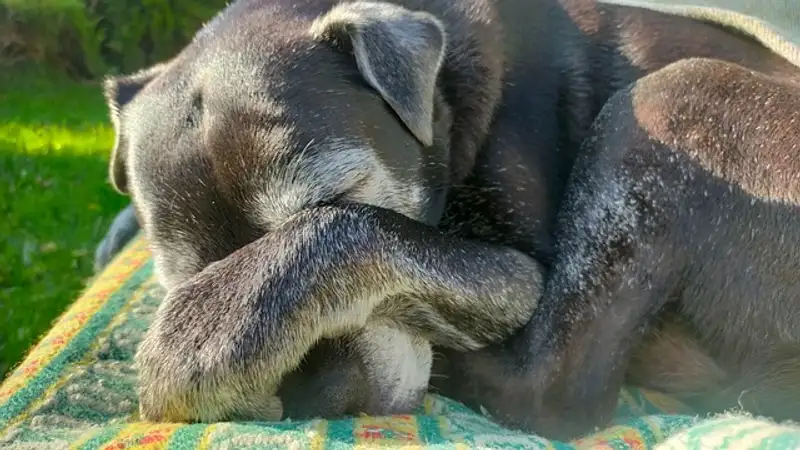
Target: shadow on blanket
76, 389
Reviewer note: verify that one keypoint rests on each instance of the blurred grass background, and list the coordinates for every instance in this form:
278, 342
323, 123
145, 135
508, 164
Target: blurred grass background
55, 201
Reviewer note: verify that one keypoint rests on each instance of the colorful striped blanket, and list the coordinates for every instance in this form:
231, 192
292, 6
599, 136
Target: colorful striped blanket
76, 389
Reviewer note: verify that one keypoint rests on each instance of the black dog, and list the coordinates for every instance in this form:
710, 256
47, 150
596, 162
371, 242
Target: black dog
647, 161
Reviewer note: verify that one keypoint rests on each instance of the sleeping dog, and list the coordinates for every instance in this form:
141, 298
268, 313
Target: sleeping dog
308, 172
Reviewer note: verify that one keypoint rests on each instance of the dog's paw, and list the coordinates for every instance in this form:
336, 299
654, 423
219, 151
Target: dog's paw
188, 367
176, 387
122, 230
539, 395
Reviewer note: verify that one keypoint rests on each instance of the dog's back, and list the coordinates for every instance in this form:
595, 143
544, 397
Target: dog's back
733, 329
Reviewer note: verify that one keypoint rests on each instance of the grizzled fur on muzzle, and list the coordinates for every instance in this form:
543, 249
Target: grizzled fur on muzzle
276, 111
331, 187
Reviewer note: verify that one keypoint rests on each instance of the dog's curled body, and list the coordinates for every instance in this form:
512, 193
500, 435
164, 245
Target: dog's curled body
516, 137
215, 174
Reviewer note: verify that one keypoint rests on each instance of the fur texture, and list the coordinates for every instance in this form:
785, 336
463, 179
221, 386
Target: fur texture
297, 196
773, 23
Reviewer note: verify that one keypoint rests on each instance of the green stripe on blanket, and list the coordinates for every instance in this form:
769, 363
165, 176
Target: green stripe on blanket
76, 389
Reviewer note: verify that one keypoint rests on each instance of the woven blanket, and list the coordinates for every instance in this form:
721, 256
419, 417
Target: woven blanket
76, 389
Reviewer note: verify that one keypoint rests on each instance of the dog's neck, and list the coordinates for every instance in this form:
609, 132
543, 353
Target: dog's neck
471, 78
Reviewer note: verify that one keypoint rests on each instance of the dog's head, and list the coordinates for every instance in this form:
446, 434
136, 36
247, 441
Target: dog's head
278, 107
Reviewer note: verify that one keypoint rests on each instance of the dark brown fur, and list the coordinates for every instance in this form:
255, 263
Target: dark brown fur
670, 206
647, 161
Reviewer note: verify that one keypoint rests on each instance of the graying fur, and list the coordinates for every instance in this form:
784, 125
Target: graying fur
202, 358
574, 133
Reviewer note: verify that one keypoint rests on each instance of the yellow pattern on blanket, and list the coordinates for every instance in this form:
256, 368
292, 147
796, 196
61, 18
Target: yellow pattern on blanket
76, 389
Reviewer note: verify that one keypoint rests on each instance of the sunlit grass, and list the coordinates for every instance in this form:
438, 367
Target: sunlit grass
44, 139
55, 202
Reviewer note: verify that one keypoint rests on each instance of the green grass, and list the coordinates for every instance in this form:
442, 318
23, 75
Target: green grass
55, 202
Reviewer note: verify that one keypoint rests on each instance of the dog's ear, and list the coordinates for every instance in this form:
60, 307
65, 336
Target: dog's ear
119, 91
399, 52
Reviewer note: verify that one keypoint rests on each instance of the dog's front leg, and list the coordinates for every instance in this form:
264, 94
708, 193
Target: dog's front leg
222, 341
